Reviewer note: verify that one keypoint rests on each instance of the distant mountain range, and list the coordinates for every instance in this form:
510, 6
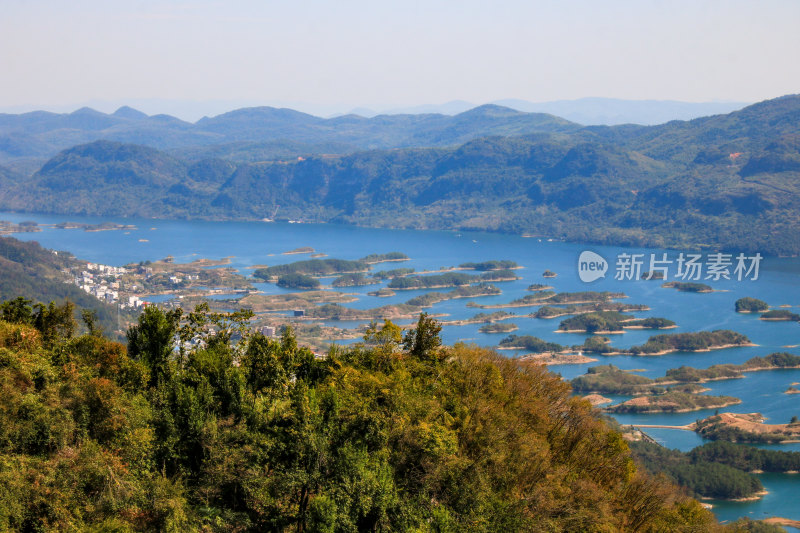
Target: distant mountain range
28, 139
729, 181
589, 111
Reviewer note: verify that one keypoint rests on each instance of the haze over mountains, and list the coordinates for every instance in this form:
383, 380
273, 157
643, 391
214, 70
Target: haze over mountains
589, 111
726, 181
28, 139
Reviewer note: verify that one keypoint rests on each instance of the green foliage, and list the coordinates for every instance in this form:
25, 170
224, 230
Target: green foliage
703, 477
687, 374
56, 323
528, 342
780, 314
393, 273
747, 458
423, 341
245, 433
689, 342
714, 428
499, 275
490, 265
593, 322
468, 291
669, 185
153, 341
750, 305
673, 401
650, 323
449, 279
380, 258
297, 281
608, 379
684, 286
773, 360
31, 273
312, 267
748, 525
501, 327
351, 280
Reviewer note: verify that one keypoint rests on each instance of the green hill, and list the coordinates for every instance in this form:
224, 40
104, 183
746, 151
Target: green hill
382, 436
35, 273
727, 181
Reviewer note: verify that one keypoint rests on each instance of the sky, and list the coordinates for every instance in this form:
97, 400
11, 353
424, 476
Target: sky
379, 54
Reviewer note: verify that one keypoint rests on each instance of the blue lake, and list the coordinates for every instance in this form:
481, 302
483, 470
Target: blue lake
257, 243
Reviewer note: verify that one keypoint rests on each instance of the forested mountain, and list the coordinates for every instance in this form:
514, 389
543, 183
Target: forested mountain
730, 181
260, 435
27, 138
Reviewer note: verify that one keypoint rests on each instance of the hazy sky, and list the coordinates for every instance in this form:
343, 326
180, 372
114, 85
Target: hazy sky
383, 53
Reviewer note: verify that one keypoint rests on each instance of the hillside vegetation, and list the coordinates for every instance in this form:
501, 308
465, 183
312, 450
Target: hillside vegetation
261, 435
29, 271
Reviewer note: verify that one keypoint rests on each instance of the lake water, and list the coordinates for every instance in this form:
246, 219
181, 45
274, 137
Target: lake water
258, 243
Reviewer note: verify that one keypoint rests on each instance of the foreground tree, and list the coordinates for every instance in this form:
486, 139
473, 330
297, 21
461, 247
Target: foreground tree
245, 433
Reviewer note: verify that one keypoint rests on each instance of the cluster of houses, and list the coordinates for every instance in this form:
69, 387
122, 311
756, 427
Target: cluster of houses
102, 281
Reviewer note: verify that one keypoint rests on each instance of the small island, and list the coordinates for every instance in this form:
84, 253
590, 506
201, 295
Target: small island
687, 374
104, 226
792, 390
490, 265
435, 281
549, 274
298, 281
339, 312
261, 303
382, 293
301, 250
780, 315
501, 327
475, 291
529, 342
672, 402
608, 379
688, 286
539, 287
750, 305
312, 267
610, 322
656, 275
393, 273
373, 259
746, 427
701, 341
548, 359
357, 279
597, 399
551, 298
499, 275
481, 318
8, 228
548, 311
